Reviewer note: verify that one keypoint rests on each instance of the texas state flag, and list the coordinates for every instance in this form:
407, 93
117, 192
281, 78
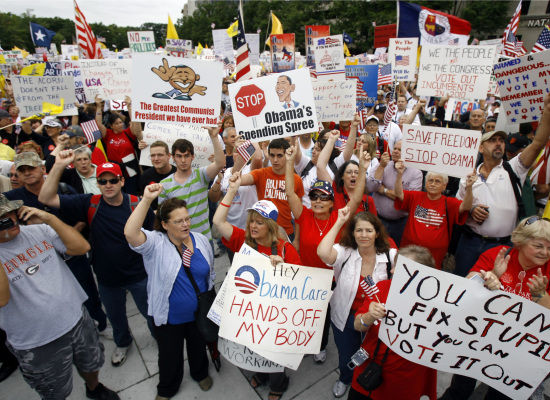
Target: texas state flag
41, 37
431, 26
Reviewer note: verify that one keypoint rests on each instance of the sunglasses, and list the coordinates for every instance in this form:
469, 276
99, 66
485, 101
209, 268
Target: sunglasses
322, 197
103, 182
533, 219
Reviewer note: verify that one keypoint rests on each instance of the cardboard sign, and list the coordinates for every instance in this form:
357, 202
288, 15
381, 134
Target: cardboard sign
313, 32
276, 308
366, 79
253, 41
223, 44
79, 93
456, 325
329, 57
383, 34
273, 106
164, 90
445, 150
141, 41
178, 45
402, 55
169, 133
463, 72
31, 91
282, 52
242, 357
523, 82
108, 78
335, 100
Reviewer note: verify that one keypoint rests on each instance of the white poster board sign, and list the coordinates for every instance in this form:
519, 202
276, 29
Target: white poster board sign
464, 328
108, 78
70, 50
523, 82
335, 100
253, 41
79, 92
141, 41
463, 72
277, 105
223, 44
165, 90
329, 57
402, 55
445, 150
242, 357
276, 308
169, 133
31, 91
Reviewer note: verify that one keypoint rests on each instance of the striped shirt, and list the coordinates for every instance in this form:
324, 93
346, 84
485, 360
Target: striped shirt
195, 193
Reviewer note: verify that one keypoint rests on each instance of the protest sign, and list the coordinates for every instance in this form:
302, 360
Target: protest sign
253, 41
383, 34
493, 42
282, 52
454, 324
455, 107
223, 44
329, 57
180, 48
366, 78
70, 51
31, 91
313, 32
169, 133
110, 78
335, 100
273, 106
523, 82
276, 308
402, 55
164, 90
242, 357
118, 105
11, 57
76, 73
444, 150
52, 68
141, 41
463, 72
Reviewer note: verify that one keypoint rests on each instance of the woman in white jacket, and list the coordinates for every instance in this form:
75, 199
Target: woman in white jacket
363, 251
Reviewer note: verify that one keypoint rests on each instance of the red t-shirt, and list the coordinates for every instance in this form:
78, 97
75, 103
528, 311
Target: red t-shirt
119, 145
402, 379
342, 198
270, 186
344, 133
515, 278
284, 248
360, 296
427, 224
312, 231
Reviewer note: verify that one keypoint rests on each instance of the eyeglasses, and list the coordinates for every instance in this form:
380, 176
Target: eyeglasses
181, 222
103, 182
322, 197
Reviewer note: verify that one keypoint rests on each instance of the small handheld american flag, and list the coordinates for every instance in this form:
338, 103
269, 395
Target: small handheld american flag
246, 150
91, 131
372, 289
186, 258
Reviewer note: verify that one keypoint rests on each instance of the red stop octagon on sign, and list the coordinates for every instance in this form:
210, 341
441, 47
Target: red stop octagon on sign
250, 100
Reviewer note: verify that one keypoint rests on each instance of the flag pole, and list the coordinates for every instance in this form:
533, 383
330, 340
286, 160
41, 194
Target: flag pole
267, 30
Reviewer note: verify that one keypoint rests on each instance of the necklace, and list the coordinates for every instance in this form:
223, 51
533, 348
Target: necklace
318, 227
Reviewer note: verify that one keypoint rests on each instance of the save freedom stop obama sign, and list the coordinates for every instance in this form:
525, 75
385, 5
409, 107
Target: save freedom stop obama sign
274, 106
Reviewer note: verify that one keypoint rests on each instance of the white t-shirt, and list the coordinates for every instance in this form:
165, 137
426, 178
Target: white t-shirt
246, 196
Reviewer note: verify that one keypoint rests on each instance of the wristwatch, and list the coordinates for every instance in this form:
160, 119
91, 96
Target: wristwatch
385, 191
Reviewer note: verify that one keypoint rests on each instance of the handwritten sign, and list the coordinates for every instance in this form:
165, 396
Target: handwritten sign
313, 32
523, 82
169, 133
108, 78
11, 57
165, 90
458, 326
31, 91
366, 79
141, 41
335, 100
445, 150
253, 41
276, 308
242, 357
329, 57
223, 44
402, 55
463, 72
277, 105
79, 93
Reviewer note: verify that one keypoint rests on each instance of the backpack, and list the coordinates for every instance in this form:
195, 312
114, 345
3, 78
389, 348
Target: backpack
95, 202
525, 208
310, 165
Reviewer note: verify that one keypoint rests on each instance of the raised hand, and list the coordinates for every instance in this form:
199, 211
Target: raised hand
384, 159
501, 262
400, 167
470, 179
152, 191
65, 158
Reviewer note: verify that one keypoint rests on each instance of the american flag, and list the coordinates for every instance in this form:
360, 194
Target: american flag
330, 40
390, 112
385, 75
246, 150
543, 42
509, 38
369, 286
91, 131
402, 60
428, 216
87, 42
186, 257
540, 173
362, 111
520, 49
243, 61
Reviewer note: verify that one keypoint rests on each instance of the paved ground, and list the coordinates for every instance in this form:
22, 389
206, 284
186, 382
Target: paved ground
138, 377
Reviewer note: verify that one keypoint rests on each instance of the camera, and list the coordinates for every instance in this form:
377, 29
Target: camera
6, 223
358, 358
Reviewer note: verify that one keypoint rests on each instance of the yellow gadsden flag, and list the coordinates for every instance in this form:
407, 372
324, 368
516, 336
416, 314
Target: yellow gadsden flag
171, 30
233, 29
276, 28
346, 51
52, 109
34, 69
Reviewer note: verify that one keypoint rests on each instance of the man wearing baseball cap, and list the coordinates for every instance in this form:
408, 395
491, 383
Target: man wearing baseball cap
391, 132
117, 267
11, 136
41, 303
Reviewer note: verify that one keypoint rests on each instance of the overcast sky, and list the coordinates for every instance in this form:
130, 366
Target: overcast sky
121, 12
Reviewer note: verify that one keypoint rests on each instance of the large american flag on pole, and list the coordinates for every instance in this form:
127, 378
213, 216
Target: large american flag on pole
243, 61
91, 131
543, 42
89, 47
385, 75
509, 38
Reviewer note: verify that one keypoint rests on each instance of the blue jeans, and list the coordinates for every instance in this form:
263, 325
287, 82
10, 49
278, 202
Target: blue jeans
468, 251
347, 343
114, 300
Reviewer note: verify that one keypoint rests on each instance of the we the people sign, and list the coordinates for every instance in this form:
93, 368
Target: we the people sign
276, 308
273, 106
445, 150
456, 325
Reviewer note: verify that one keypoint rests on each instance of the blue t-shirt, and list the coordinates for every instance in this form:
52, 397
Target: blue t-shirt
182, 302
115, 264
